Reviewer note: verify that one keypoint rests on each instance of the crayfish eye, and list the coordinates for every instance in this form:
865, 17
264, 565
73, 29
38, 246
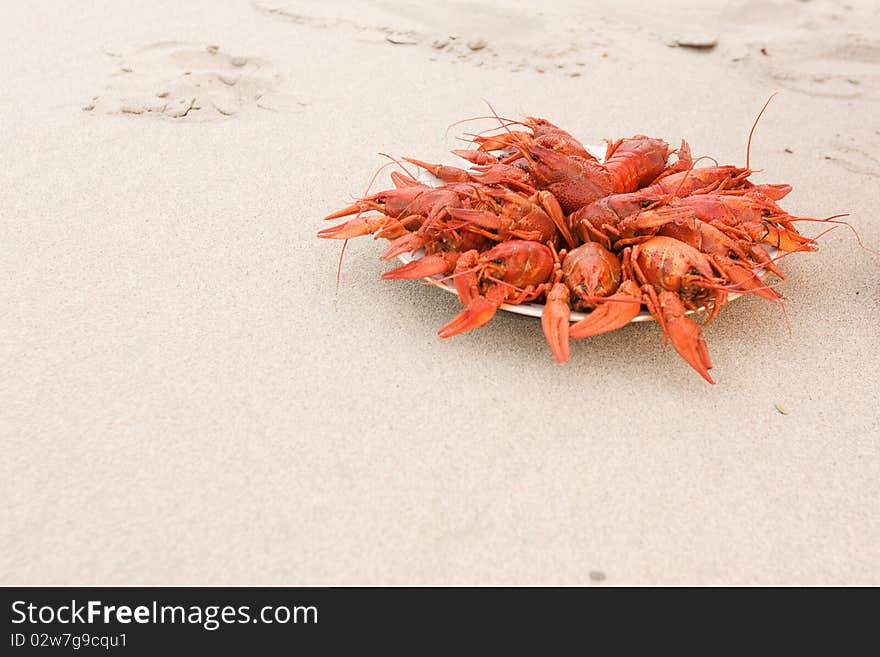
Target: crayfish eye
695, 271
766, 212
645, 204
496, 199
498, 261
733, 255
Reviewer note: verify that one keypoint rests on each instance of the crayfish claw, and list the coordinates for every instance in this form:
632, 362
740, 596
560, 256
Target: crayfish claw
357, 227
685, 334
610, 314
354, 208
555, 320
429, 265
688, 341
478, 313
407, 243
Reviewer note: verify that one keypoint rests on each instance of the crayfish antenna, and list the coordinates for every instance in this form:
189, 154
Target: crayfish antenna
478, 118
339, 265
517, 144
688, 172
348, 211
398, 163
832, 220
755, 125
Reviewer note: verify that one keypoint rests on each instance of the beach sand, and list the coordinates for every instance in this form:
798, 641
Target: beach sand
188, 399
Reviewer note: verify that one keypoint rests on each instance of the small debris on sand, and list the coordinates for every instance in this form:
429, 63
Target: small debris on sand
213, 50
597, 576
440, 44
782, 409
400, 41
238, 61
477, 44
703, 43
788, 150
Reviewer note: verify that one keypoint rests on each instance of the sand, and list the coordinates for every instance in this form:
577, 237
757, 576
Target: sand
188, 399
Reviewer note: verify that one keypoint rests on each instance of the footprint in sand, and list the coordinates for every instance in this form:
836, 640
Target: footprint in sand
186, 82
822, 49
461, 31
855, 159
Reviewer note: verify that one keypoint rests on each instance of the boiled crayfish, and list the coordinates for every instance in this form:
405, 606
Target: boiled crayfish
537, 217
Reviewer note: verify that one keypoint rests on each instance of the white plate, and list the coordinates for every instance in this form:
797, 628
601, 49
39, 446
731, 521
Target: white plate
535, 309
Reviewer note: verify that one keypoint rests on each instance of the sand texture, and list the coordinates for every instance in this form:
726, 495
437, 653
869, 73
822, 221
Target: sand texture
186, 398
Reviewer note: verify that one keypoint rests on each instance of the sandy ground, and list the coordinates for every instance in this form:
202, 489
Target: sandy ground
187, 399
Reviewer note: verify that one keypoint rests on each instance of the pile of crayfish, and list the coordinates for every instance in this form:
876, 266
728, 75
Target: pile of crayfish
537, 217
